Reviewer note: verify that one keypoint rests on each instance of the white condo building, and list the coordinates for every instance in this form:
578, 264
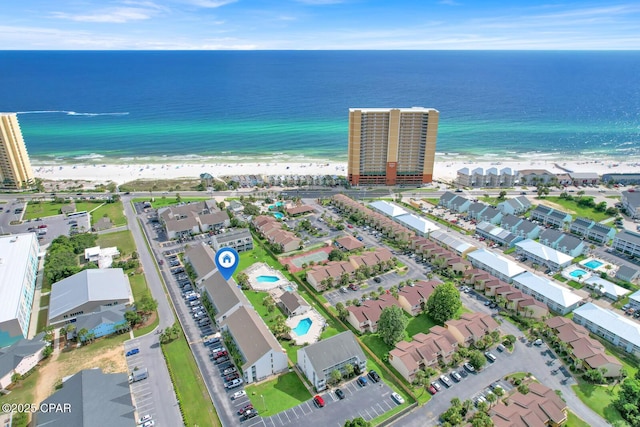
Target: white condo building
18, 272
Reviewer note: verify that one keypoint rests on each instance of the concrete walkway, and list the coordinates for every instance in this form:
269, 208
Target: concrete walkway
35, 308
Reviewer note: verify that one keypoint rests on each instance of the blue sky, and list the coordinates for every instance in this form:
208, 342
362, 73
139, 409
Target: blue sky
318, 24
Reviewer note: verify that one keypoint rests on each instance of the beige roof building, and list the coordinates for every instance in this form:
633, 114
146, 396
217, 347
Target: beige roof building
540, 407
365, 317
15, 167
471, 327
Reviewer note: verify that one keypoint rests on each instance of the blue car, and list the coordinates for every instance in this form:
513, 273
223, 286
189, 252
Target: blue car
362, 381
132, 352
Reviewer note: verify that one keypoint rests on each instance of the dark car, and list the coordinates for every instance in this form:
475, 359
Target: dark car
463, 373
245, 409
374, 376
340, 394
362, 381
231, 377
132, 352
249, 414
222, 360
377, 279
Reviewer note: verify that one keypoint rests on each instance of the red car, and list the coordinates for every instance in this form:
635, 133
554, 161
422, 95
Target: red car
319, 401
432, 389
220, 354
245, 409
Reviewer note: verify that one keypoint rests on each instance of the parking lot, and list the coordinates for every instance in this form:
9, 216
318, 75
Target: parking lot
141, 390
367, 402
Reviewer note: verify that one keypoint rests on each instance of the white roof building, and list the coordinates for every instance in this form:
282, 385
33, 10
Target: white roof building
103, 256
420, 225
460, 247
497, 265
18, 272
557, 297
611, 326
607, 288
390, 209
88, 291
544, 254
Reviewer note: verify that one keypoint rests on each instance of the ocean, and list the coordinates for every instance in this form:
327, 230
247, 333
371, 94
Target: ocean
238, 106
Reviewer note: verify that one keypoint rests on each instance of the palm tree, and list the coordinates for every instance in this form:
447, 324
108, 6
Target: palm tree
491, 398
82, 334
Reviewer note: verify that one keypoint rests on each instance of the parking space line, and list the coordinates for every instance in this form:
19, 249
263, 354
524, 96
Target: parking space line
380, 406
280, 418
294, 412
285, 412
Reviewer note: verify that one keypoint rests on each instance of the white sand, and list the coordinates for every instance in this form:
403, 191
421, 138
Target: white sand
445, 170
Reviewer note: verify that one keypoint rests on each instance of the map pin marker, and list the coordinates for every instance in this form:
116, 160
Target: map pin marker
227, 261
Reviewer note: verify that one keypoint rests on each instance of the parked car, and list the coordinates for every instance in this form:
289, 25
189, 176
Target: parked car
318, 401
144, 419
249, 414
432, 389
436, 386
132, 352
373, 375
230, 370
455, 376
377, 279
231, 377
500, 348
468, 367
340, 394
245, 409
490, 357
221, 360
463, 373
235, 383
397, 398
445, 380
238, 394
362, 381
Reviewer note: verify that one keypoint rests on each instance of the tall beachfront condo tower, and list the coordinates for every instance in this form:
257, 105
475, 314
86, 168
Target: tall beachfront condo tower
392, 146
15, 167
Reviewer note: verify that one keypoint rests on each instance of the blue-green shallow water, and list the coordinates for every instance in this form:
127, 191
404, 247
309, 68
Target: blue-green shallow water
234, 106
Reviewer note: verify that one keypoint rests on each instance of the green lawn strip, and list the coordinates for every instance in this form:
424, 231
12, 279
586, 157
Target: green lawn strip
433, 201
517, 375
600, 399
22, 392
123, 240
114, 211
574, 421
575, 285
163, 201
572, 207
195, 402
278, 394
139, 286
144, 331
44, 300
43, 315
37, 209
560, 278
490, 200
420, 323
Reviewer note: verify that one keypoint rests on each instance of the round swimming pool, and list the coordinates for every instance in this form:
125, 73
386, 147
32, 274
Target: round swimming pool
577, 273
267, 279
303, 327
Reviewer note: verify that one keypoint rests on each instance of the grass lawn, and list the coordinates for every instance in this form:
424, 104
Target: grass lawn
88, 352
44, 300
572, 207
196, 405
599, 399
490, 200
115, 212
123, 240
279, 394
559, 277
575, 285
574, 421
155, 185
42, 209
22, 392
161, 202
138, 286
42, 320
420, 323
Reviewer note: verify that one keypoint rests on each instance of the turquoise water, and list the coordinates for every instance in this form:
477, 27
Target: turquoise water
303, 327
577, 273
593, 264
267, 279
278, 215
288, 288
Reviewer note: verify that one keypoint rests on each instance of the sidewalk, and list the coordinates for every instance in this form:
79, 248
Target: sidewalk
35, 308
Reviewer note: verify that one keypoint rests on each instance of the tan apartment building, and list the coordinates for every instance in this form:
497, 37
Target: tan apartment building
15, 167
392, 146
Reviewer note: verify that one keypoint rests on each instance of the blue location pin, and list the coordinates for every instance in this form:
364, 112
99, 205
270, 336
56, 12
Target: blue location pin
227, 261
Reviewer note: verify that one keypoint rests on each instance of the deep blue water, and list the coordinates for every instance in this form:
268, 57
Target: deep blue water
295, 103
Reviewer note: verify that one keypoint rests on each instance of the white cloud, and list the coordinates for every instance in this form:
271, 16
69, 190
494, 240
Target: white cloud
117, 15
210, 4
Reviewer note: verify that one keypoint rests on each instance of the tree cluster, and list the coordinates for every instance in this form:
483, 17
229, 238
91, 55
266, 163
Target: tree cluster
62, 258
444, 302
628, 401
391, 325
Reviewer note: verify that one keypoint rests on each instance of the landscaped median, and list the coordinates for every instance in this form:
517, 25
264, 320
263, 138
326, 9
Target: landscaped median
194, 400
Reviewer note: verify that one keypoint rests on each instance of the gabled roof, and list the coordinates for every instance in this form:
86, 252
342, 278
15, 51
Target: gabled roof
202, 258
550, 290
108, 284
238, 234
498, 263
292, 301
224, 293
96, 399
509, 221
349, 243
251, 335
331, 352
10, 357
417, 223
544, 252
387, 208
108, 315
448, 196
551, 235
628, 236
610, 321
609, 288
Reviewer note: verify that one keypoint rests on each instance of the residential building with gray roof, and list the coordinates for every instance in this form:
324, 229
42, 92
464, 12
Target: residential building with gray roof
616, 329
318, 360
224, 295
627, 242
516, 206
202, 259
239, 239
93, 399
592, 230
20, 357
628, 273
550, 216
631, 203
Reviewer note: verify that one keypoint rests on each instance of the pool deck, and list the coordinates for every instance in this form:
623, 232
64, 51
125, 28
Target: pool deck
262, 269
314, 331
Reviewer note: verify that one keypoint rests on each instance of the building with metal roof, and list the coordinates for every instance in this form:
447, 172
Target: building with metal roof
225, 295
387, 208
420, 225
514, 206
239, 239
202, 259
18, 272
88, 291
611, 326
497, 265
627, 242
318, 360
543, 255
497, 234
555, 296
592, 230
628, 273
92, 399
20, 357
606, 288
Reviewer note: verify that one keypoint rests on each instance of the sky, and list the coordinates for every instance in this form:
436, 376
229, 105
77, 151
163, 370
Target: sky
318, 24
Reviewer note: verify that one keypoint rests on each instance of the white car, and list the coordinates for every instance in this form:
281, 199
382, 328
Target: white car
397, 398
238, 394
144, 419
149, 423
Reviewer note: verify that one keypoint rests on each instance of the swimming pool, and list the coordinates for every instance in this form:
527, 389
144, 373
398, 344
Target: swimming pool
267, 279
276, 205
278, 215
303, 327
289, 288
593, 264
577, 273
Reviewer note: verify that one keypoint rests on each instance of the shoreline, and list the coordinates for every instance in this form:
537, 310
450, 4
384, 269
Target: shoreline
445, 168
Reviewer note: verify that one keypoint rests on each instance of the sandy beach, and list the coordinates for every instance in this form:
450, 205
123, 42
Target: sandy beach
444, 170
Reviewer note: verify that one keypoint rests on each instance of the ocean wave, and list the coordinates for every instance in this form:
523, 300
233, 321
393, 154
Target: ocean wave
91, 156
72, 113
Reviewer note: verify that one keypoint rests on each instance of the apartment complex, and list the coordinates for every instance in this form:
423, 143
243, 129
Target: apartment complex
15, 167
392, 146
